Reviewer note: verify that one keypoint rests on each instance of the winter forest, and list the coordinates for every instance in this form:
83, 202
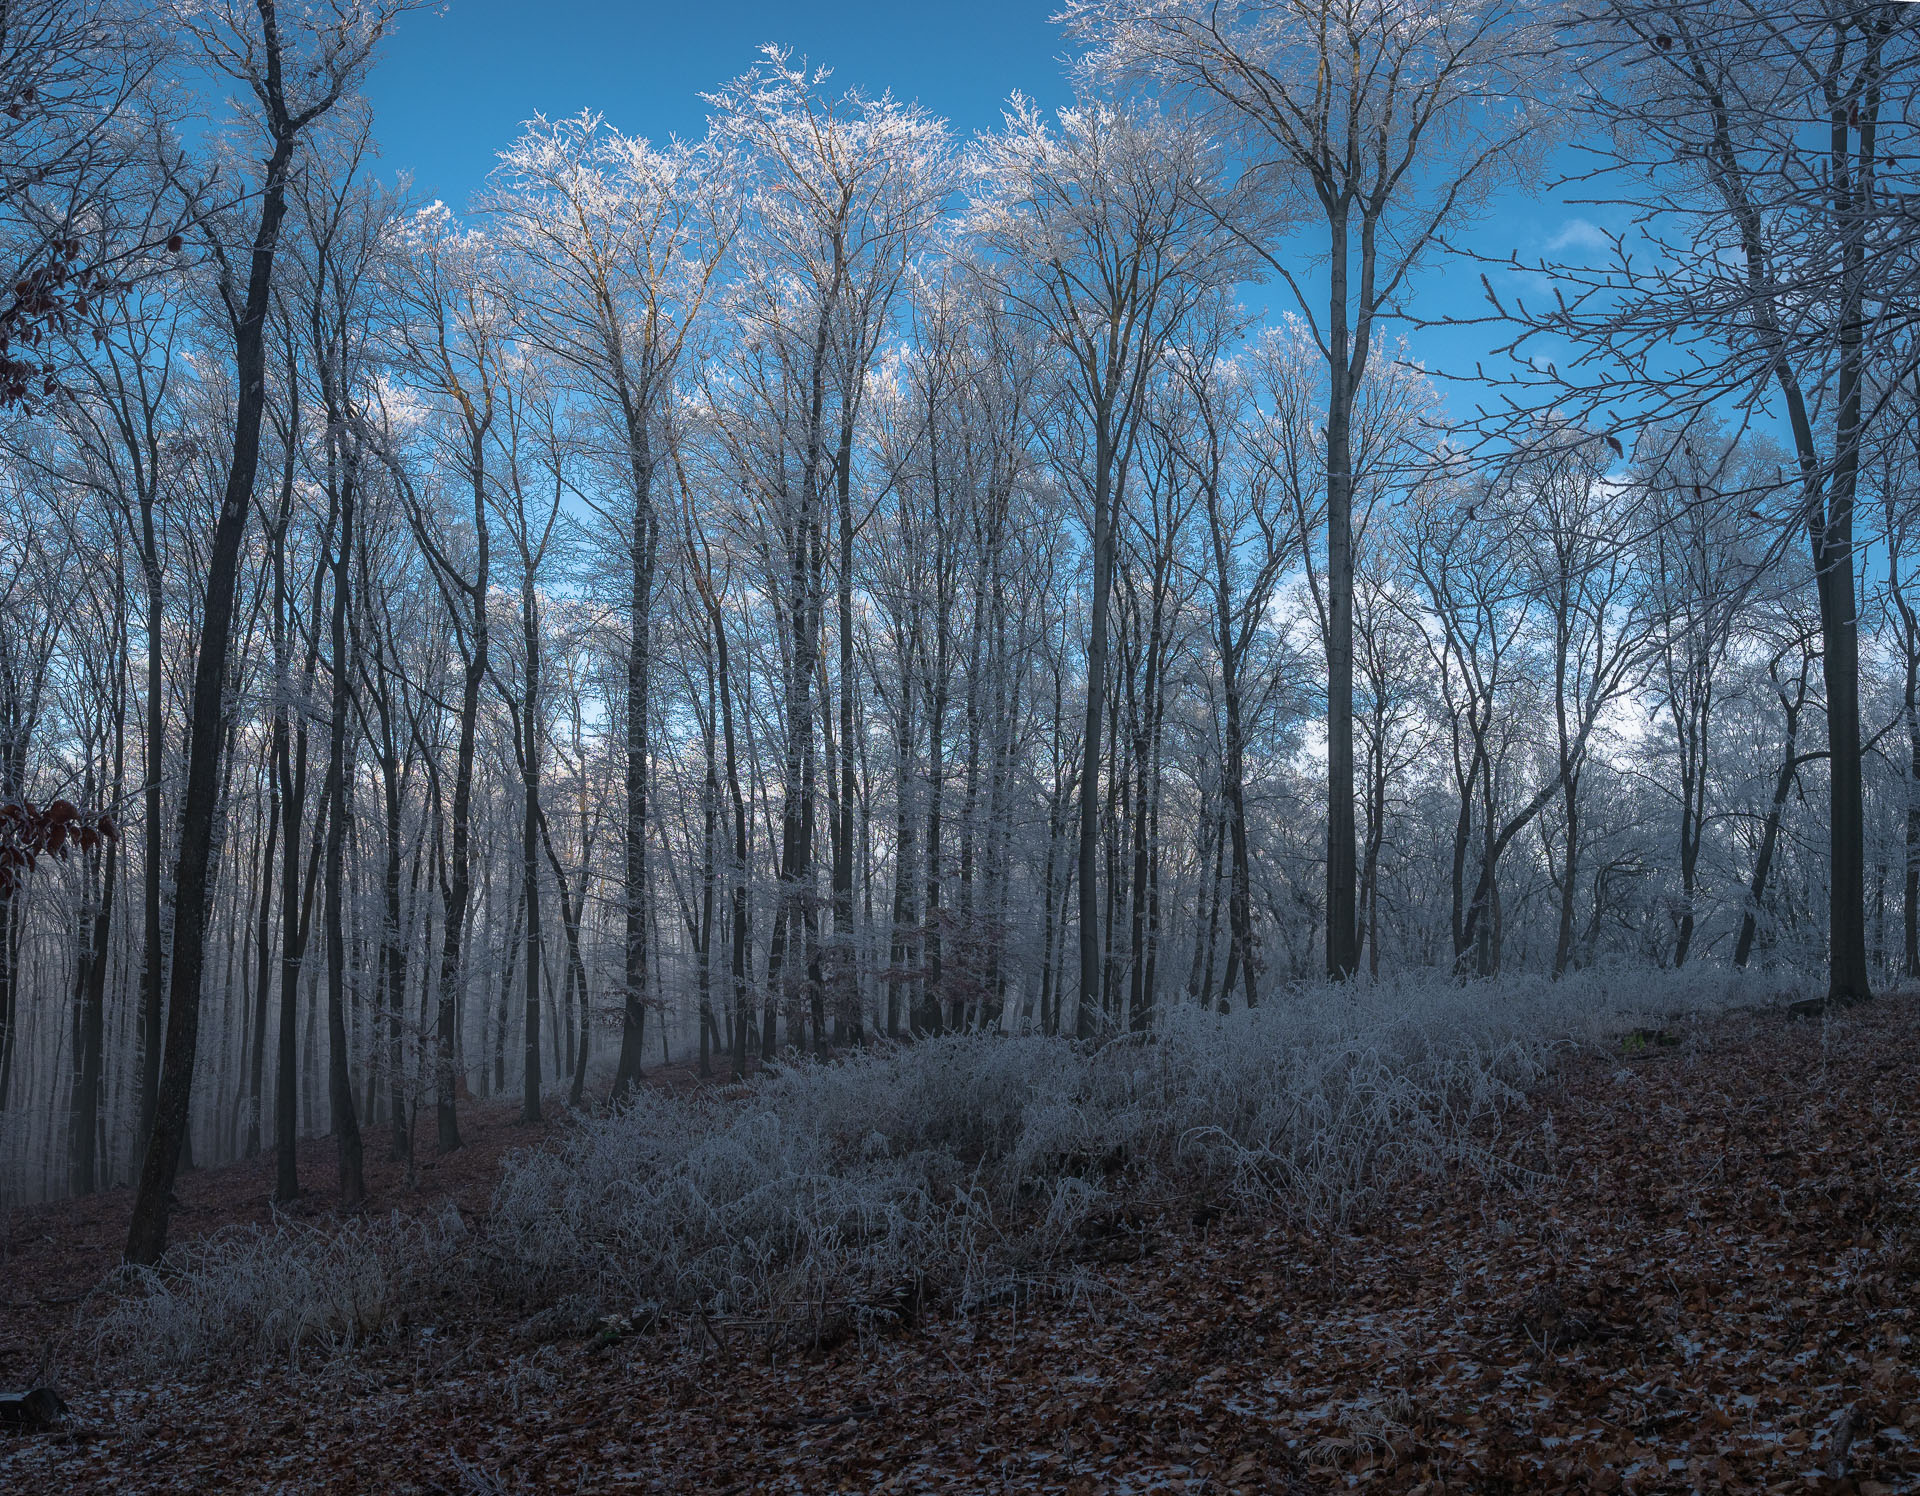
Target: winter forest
836, 596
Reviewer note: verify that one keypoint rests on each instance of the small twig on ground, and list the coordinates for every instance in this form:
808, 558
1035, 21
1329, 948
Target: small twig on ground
726, 1356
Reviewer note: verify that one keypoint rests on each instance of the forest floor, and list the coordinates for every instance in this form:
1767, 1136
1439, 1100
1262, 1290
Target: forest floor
1704, 1280
52, 1256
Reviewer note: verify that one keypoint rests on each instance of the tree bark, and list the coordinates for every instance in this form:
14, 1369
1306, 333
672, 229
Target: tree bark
147, 1232
1089, 1012
345, 1117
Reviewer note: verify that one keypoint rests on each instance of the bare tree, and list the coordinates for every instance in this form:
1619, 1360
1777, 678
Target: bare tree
1899, 463
620, 244
249, 46
1700, 571
534, 451
845, 190
1385, 122
456, 332
1751, 145
348, 236
1107, 228
1789, 672
1576, 539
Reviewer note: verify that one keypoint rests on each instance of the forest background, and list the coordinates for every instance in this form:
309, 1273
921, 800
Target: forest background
1309, 490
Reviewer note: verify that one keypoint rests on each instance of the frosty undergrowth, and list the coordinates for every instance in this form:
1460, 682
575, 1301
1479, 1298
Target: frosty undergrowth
964, 1160
960, 1166
250, 1294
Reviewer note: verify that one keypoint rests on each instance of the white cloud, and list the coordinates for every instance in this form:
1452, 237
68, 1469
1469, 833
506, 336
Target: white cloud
1578, 233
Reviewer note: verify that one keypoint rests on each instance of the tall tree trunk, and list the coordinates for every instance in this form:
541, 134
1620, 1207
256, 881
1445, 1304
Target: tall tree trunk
845, 968
709, 816
92, 928
1241, 961
905, 869
263, 969
1087, 1022
147, 1232
1147, 777
1049, 1020
1376, 840
291, 777
643, 549
1213, 855
345, 1119
792, 920
516, 933
90, 1045
153, 937
1568, 875
529, 849
1342, 368
1833, 555
458, 891
1910, 902
393, 954
740, 932
1570, 784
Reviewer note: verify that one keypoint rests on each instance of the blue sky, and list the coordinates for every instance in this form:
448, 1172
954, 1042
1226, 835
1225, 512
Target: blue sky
453, 88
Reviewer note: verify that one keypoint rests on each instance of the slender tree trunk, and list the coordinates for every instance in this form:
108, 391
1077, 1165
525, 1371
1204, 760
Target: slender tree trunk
1140, 995
643, 544
709, 815
1213, 855
737, 873
934, 961
1790, 762
1569, 872
1155, 787
90, 1036
1049, 881
459, 887
516, 933
1690, 829
1569, 783
529, 849
153, 938
345, 1118
1087, 1022
263, 969
1376, 840
905, 871
91, 928
1839, 632
393, 961
1342, 959
846, 963
147, 1232
291, 770
1910, 902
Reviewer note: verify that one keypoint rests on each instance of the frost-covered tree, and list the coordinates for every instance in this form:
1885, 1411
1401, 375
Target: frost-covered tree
618, 245
1105, 225
1370, 129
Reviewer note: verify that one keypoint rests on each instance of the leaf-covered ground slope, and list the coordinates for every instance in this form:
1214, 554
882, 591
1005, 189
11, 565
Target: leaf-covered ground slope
1704, 1279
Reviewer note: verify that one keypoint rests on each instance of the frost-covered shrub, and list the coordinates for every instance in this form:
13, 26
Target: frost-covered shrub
827, 1182
250, 1294
964, 1158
